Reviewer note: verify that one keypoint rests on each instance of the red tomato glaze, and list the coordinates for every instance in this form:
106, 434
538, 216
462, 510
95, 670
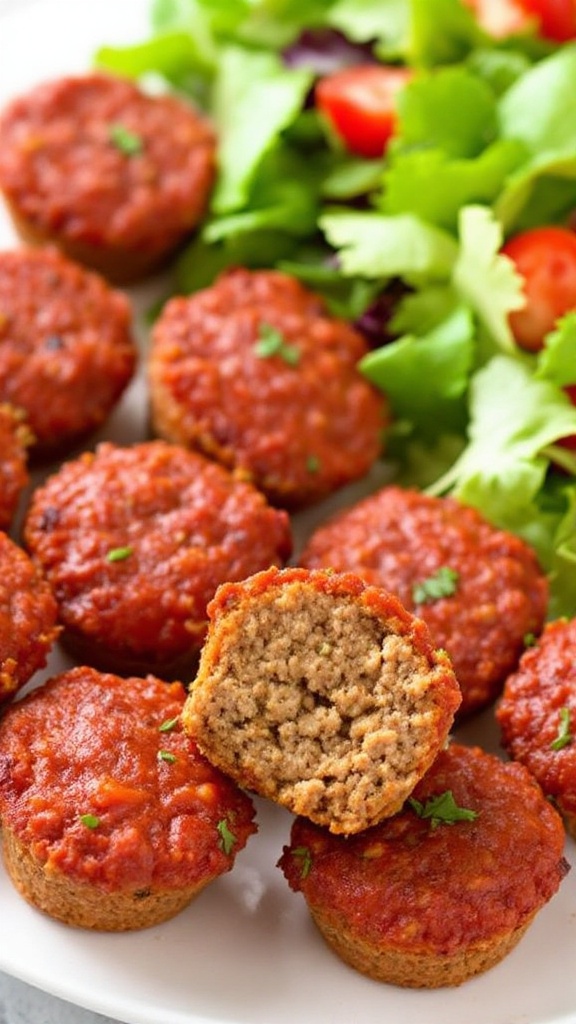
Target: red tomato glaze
438, 890
530, 712
87, 744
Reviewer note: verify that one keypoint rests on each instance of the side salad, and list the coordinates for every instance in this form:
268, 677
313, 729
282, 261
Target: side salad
390, 154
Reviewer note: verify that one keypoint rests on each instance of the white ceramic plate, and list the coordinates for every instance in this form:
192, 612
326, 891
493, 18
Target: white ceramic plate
245, 952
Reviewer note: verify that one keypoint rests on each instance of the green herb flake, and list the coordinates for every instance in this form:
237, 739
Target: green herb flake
119, 554
169, 724
442, 583
303, 854
313, 464
126, 141
442, 810
529, 639
90, 820
271, 342
168, 756
564, 735
227, 838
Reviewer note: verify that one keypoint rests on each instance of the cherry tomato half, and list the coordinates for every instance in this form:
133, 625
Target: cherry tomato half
359, 103
499, 18
546, 259
556, 18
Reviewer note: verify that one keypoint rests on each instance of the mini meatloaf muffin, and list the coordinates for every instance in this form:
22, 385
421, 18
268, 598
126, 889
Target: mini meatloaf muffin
322, 694
479, 589
113, 176
446, 888
27, 619
15, 438
66, 346
254, 372
111, 818
134, 542
537, 715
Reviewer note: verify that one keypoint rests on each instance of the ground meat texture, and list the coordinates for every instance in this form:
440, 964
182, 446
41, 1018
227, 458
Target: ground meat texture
134, 542
111, 817
422, 903
537, 715
66, 346
320, 693
255, 372
117, 178
15, 438
27, 619
496, 595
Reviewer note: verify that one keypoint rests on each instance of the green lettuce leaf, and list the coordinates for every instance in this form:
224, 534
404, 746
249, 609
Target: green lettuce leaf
539, 107
498, 67
441, 32
514, 417
347, 297
348, 178
283, 195
538, 110
422, 32
557, 360
277, 23
385, 22
373, 245
484, 277
200, 17
255, 98
427, 183
419, 461
202, 261
561, 559
173, 54
450, 109
426, 376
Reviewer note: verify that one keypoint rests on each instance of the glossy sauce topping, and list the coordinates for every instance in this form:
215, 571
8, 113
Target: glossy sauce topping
98, 777
539, 708
426, 888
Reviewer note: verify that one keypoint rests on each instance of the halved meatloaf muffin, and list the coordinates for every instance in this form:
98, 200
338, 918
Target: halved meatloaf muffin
321, 693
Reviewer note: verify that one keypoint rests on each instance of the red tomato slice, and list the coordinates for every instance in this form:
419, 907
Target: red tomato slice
556, 18
359, 103
499, 18
546, 259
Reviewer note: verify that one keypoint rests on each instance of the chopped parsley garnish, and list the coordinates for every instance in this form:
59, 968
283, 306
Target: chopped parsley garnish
312, 463
169, 724
167, 755
529, 639
271, 342
126, 141
303, 854
227, 838
119, 554
90, 820
442, 809
442, 583
564, 735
